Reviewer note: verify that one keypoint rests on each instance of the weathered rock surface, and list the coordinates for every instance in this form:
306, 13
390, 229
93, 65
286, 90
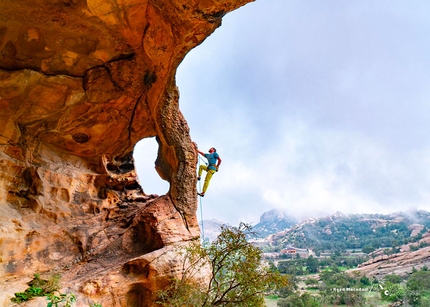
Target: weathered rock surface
81, 82
401, 263
415, 229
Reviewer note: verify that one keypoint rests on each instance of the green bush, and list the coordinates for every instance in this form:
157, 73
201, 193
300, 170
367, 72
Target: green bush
57, 300
38, 287
296, 300
392, 292
45, 287
238, 275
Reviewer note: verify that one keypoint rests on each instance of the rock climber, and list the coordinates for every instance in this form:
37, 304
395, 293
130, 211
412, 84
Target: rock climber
214, 161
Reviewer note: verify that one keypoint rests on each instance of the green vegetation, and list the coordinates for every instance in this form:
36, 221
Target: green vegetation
341, 242
298, 300
332, 287
418, 286
38, 287
65, 300
302, 266
358, 232
238, 274
49, 288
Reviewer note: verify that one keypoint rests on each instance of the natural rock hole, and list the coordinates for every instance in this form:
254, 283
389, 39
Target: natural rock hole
145, 154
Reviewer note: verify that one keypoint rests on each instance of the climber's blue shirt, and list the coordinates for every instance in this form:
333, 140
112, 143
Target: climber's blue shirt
212, 158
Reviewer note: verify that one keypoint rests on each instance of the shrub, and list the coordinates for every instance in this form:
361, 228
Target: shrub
38, 287
238, 277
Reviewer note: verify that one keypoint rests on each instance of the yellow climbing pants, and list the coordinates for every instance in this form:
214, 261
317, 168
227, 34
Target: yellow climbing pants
208, 177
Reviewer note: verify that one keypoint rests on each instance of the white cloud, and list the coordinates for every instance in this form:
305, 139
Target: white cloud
311, 171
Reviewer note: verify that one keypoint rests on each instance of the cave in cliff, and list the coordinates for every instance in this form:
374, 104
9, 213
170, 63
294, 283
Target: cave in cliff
81, 82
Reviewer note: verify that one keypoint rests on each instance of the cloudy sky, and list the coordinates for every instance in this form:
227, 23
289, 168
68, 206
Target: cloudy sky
314, 107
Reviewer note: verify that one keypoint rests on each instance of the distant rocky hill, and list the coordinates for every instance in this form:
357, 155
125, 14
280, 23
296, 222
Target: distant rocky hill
356, 231
395, 243
272, 222
211, 229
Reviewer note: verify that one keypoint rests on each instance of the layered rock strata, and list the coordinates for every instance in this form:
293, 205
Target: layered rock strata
81, 82
401, 263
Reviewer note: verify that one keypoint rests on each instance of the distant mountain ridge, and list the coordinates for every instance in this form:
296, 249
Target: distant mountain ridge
337, 231
273, 221
355, 231
394, 243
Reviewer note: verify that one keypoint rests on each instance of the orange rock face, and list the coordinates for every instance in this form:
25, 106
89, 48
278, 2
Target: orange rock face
81, 82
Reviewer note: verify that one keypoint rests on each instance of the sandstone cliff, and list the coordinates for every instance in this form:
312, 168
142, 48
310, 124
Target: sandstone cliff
81, 82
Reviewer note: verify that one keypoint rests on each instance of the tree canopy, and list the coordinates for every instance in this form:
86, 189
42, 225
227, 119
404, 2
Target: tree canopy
238, 275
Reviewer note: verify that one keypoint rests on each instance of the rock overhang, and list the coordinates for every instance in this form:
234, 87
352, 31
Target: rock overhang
81, 83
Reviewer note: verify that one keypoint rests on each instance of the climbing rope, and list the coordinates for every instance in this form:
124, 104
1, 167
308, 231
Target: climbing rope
201, 159
201, 203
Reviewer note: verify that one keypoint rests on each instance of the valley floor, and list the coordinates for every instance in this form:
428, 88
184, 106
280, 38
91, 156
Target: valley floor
373, 299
